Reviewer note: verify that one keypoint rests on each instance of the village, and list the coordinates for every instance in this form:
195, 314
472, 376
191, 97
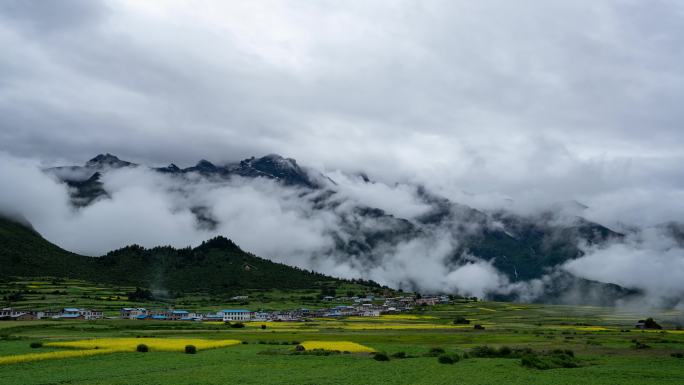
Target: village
368, 306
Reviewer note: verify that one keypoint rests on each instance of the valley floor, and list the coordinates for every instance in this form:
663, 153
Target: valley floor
606, 352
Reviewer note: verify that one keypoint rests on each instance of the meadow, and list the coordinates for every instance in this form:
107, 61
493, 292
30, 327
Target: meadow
606, 348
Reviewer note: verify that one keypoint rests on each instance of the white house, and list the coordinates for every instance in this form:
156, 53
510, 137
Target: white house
76, 313
138, 311
236, 315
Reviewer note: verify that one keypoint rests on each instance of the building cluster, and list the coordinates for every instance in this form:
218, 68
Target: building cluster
361, 307
71, 313
368, 306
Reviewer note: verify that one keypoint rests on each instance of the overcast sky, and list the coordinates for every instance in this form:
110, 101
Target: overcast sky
532, 100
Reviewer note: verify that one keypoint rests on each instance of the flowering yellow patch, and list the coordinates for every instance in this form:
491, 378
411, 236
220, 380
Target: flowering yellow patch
592, 328
343, 346
154, 344
392, 317
276, 325
50, 356
661, 331
399, 326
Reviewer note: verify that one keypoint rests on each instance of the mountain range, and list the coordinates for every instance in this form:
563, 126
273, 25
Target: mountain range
521, 247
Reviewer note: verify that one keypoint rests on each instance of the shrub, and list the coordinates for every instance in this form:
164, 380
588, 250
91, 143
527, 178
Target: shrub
263, 327
399, 355
245, 342
237, 325
641, 345
564, 351
533, 361
190, 349
484, 352
36, 345
461, 321
142, 348
677, 355
380, 356
503, 352
479, 327
448, 358
300, 348
434, 352
649, 323
556, 359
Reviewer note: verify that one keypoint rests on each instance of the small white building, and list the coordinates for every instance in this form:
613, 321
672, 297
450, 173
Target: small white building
236, 315
138, 311
261, 316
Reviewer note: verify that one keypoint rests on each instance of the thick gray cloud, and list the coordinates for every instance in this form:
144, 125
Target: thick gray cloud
492, 103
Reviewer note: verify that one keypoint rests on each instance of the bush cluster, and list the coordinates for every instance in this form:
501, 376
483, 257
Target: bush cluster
553, 360
502, 352
317, 352
142, 348
448, 358
36, 345
190, 349
435, 352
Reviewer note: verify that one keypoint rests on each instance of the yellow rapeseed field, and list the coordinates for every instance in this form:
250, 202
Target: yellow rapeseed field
592, 328
343, 346
51, 356
96, 346
276, 325
583, 328
392, 317
154, 344
399, 326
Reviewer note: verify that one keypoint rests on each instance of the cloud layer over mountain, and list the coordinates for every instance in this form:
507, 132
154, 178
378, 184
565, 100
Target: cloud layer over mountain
532, 101
288, 224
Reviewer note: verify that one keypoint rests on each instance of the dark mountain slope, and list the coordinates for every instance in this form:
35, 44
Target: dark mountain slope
23, 252
217, 265
526, 247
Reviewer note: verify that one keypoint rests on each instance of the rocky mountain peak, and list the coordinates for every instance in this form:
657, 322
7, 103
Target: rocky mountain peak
107, 160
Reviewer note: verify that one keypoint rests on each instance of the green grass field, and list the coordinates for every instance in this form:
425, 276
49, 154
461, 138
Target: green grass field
51, 294
606, 353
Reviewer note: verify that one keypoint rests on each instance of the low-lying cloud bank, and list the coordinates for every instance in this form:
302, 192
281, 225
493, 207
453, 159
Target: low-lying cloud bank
284, 224
650, 260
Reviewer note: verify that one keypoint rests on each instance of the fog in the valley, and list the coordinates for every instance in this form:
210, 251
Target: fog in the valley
282, 223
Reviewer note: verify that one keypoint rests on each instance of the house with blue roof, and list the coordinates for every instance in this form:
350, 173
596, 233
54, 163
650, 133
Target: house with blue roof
236, 315
176, 315
76, 313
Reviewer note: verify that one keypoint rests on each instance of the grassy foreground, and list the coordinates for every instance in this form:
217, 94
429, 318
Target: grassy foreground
605, 351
